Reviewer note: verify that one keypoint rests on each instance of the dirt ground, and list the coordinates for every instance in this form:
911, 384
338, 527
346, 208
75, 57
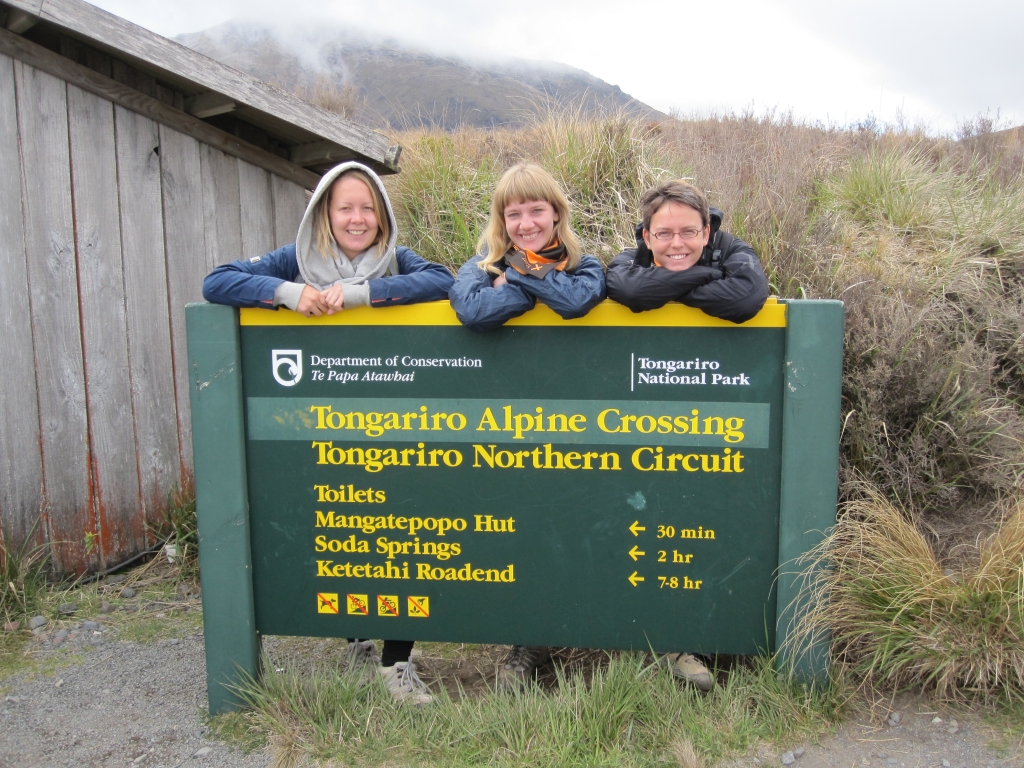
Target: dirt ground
925, 736
127, 688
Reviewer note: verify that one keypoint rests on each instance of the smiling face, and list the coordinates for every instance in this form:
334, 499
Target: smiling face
353, 220
531, 224
685, 240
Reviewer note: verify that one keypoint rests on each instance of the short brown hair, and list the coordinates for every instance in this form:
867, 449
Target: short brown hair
673, 192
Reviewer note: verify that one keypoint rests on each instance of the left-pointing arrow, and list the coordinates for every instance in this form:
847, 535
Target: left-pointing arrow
634, 579
635, 553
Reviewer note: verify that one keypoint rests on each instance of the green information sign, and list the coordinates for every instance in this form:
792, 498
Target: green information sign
619, 481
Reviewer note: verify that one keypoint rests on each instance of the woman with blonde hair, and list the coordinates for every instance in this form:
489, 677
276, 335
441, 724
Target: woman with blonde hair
527, 253
345, 256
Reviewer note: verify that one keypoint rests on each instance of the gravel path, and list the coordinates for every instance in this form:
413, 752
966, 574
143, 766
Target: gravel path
906, 732
143, 704
127, 704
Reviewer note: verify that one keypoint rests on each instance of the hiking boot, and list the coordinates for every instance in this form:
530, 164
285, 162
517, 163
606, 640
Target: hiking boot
362, 660
519, 665
404, 684
688, 667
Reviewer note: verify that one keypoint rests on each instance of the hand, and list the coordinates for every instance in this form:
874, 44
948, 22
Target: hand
499, 281
334, 298
310, 303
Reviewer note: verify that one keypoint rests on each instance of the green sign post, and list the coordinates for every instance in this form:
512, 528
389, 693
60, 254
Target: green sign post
619, 481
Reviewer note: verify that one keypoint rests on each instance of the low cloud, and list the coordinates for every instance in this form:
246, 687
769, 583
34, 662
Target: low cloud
932, 62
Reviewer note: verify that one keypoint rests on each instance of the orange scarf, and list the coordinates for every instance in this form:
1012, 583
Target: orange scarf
537, 264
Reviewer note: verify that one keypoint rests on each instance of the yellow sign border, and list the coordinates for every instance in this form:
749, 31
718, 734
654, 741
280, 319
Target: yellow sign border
607, 313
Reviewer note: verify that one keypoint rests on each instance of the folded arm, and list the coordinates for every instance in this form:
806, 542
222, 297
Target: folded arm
481, 307
741, 292
253, 282
642, 288
418, 280
570, 295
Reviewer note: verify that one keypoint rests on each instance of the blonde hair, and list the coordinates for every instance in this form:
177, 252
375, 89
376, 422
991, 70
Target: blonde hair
520, 184
324, 235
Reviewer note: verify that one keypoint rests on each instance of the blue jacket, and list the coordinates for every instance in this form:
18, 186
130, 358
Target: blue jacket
252, 282
482, 308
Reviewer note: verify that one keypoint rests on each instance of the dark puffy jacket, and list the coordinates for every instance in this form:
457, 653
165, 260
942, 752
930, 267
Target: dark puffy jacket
727, 282
252, 282
481, 308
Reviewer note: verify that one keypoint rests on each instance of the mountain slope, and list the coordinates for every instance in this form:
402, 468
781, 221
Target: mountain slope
388, 83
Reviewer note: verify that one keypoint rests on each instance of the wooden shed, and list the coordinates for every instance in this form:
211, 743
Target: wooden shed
129, 167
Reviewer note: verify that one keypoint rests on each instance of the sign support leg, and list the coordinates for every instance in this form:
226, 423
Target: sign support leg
810, 462
222, 505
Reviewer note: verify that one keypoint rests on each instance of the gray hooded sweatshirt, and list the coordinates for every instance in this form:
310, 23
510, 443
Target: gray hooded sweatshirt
322, 272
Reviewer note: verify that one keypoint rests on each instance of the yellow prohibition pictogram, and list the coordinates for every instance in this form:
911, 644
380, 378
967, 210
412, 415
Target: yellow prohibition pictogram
358, 605
387, 605
418, 607
326, 602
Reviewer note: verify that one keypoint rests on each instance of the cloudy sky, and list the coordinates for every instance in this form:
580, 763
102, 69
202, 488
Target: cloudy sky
934, 62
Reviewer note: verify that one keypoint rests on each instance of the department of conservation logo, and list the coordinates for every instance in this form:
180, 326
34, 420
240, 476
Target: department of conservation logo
289, 363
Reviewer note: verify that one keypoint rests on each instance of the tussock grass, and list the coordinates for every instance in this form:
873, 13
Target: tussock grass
22, 577
623, 713
325, 93
27, 586
604, 164
898, 618
927, 255
181, 527
442, 194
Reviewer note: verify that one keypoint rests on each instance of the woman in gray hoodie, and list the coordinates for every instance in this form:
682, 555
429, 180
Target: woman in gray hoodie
345, 256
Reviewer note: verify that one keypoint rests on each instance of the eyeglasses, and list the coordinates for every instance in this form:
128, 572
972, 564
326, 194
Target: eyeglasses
686, 234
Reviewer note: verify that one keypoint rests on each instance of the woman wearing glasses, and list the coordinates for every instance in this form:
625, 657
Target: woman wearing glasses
682, 255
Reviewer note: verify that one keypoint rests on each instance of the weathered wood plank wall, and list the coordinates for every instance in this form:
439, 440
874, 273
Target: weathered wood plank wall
56, 328
185, 238
289, 205
21, 471
110, 222
111, 441
151, 366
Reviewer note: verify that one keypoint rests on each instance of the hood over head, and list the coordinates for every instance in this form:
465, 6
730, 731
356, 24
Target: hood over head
322, 271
